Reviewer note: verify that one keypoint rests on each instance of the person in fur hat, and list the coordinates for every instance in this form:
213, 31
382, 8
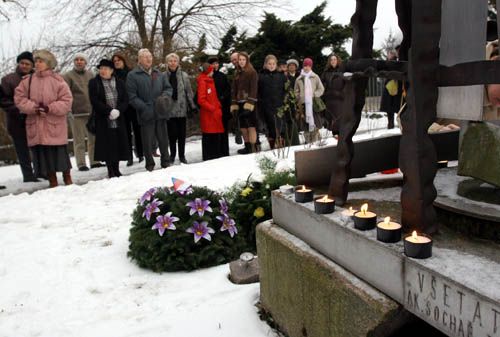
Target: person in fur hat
78, 80
46, 99
16, 122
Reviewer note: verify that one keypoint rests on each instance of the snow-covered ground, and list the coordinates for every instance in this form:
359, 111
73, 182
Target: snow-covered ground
64, 269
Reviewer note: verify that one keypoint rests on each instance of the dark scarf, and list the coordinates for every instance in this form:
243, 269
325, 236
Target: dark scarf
121, 74
173, 82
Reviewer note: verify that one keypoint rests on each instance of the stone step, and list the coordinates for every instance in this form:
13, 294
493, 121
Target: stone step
457, 290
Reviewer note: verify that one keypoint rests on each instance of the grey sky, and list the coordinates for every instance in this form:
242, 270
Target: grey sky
20, 34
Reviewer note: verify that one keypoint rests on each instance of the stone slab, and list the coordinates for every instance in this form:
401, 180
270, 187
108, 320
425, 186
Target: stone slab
480, 152
309, 295
461, 43
446, 183
314, 167
385, 267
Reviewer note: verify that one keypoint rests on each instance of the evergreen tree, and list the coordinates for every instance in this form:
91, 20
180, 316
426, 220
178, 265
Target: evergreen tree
307, 37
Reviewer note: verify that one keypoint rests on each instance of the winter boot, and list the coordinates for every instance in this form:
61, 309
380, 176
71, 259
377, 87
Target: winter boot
245, 150
67, 178
271, 143
52, 179
252, 148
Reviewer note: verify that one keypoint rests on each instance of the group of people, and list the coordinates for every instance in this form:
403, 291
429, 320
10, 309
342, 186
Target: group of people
121, 110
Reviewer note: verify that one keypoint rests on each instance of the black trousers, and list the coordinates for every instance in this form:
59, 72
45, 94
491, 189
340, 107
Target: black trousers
177, 135
23, 155
155, 133
212, 145
133, 126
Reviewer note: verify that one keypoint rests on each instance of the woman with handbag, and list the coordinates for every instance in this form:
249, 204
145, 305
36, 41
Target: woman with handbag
244, 98
108, 96
182, 107
46, 100
309, 89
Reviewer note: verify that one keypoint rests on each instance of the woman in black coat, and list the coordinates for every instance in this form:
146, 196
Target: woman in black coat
334, 93
271, 96
108, 96
121, 72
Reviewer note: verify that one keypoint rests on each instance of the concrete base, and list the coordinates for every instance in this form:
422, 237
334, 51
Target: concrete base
309, 295
456, 290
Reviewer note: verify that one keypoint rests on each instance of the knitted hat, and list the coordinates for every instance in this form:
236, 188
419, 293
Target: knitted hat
46, 56
307, 62
106, 63
81, 56
25, 55
294, 61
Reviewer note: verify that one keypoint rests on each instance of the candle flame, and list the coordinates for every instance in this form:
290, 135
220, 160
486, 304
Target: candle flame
414, 235
364, 208
387, 220
324, 199
303, 187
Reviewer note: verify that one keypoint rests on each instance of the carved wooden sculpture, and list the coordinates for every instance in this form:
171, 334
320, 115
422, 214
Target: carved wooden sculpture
420, 22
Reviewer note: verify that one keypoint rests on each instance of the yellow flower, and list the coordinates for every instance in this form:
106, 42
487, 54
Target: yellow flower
259, 212
246, 191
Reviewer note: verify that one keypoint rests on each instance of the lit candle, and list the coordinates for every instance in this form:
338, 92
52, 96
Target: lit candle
414, 238
442, 164
349, 212
365, 220
303, 194
388, 231
286, 189
418, 246
324, 205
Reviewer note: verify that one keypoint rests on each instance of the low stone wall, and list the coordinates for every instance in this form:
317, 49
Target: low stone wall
309, 295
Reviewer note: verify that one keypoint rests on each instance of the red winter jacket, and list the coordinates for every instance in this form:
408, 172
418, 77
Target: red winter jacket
210, 107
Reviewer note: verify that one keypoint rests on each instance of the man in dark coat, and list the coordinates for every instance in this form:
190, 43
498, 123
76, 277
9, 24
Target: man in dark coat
223, 88
15, 120
145, 85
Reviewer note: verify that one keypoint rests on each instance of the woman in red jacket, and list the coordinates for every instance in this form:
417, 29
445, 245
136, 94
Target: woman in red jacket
210, 115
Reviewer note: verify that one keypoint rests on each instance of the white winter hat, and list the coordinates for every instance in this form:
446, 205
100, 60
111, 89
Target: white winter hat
82, 56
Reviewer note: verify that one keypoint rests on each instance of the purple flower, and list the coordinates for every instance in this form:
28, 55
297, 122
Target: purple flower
151, 208
201, 230
200, 206
224, 208
228, 224
148, 195
165, 222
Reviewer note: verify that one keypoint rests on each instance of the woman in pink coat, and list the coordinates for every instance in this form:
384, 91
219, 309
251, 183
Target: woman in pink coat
46, 100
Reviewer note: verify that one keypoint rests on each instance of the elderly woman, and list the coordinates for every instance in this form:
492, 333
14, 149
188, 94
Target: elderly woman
183, 104
46, 100
108, 96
